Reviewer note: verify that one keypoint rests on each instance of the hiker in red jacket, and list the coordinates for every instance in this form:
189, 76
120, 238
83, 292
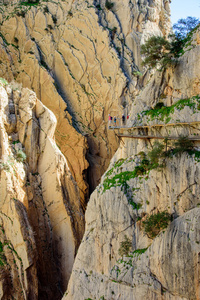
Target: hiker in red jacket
110, 119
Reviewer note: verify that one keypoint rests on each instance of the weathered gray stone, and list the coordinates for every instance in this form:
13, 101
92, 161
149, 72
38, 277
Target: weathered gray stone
169, 268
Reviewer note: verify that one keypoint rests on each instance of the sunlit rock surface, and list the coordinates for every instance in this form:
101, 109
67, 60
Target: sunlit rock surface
81, 58
41, 217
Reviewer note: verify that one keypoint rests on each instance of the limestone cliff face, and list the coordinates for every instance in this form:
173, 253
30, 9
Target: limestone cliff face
162, 267
81, 58
41, 219
175, 83
130, 23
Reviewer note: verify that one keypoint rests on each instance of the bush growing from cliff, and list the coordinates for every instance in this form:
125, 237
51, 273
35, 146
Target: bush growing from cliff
146, 164
162, 52
169, 148
163, 113
155, 223
30, 2
109, 5
183, 144
154, 159
156, 154
125, 246
156, 51
20, 156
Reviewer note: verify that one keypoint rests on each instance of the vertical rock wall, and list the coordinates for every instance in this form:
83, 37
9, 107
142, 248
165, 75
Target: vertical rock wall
120, 258
81, 59
41, 217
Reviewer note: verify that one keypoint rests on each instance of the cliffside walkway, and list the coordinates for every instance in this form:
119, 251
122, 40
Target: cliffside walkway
127, 132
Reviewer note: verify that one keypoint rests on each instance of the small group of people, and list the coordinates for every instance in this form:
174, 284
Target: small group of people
114, 119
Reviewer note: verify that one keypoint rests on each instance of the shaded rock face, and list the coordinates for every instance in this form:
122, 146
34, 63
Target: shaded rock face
161, 267
41, 218
80, 58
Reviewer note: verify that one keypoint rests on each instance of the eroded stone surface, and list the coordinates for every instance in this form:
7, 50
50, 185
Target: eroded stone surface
162, 272
80, 58
41, 217
166, 267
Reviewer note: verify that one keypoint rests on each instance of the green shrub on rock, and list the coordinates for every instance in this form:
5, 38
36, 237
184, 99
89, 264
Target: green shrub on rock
157, 52
156, 154
183, 144
3, 82
109, 5
163, 52
125, 246
20, 156
156, 223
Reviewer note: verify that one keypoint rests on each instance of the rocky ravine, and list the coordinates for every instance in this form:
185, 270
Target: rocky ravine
82, 59
41, 219
166, 266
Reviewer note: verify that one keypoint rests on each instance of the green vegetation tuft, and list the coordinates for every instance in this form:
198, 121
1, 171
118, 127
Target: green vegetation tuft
140, 251
109, 5
135, 205
2, 257
185, 26
4, 39
117, 164
98, 6
162, 113
30, 3
157, 52
1, 247
182, 145
162, 52
121, 179
118, 180
196, 154
125, 246
3, 82
20, 156
155, 223
154, 159
137, 73
5, 166
156, 154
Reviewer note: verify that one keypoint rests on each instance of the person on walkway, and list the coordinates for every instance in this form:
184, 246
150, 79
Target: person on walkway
123, 119
110, 119
115, 121
127, 117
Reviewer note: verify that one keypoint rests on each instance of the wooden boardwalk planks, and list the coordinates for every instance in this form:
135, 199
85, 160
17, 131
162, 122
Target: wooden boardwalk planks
120, 128
195, 138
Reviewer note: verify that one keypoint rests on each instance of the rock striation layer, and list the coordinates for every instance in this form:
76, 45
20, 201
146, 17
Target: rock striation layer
82, 59
41, 219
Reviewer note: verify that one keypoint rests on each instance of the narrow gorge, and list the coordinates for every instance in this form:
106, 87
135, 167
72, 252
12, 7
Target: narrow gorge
78, 201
